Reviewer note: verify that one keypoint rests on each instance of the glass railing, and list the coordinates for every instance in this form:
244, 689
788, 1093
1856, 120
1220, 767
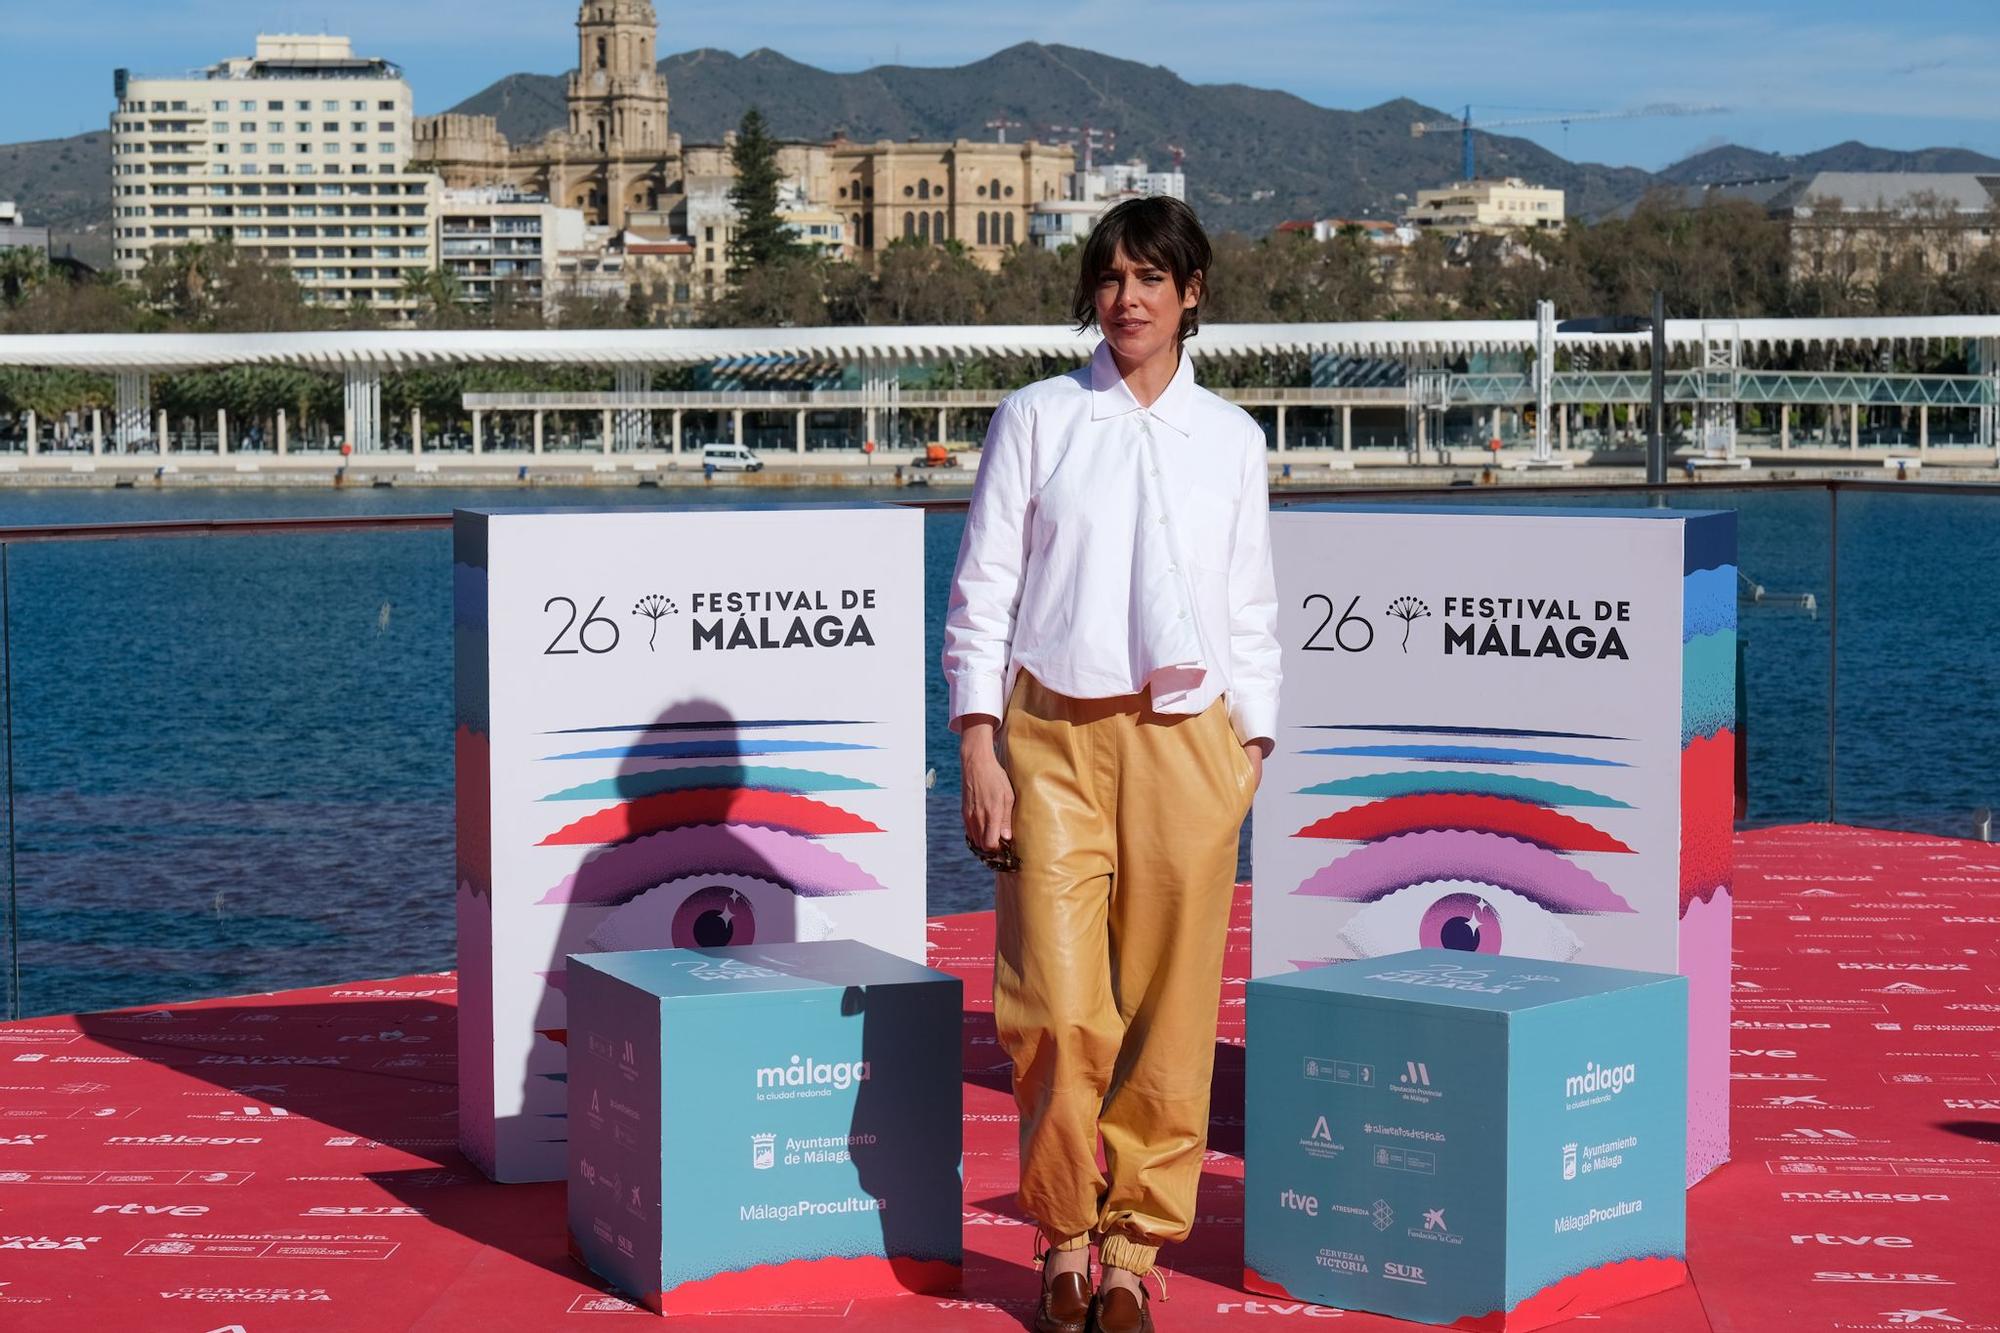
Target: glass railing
226, 737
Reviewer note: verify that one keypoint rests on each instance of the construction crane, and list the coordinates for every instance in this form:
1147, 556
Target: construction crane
1092, 137
1002, 124
1418, 129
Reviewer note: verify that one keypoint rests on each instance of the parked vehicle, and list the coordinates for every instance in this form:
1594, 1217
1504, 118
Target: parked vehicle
730, 458
935, 455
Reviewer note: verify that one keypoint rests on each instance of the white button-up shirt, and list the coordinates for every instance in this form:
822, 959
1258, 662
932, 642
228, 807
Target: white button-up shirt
1111, 547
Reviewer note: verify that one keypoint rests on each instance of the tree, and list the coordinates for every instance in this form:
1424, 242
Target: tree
786, 293
761, 236
1033, 286
917, 282
214, 287
439, 299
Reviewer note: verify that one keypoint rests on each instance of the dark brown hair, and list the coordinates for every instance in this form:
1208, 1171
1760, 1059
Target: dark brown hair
1161, 231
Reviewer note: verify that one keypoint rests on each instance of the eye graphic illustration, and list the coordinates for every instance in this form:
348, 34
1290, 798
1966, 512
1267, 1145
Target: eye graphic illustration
709, 911
619, 874
629, 786
723, 747
738, 806
1465, 754
1462, 915
1449, 810
1456, 889
1424, 782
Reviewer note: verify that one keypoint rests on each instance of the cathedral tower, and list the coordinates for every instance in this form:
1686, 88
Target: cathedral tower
617, 98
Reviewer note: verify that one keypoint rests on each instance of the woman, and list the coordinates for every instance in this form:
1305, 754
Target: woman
1113, 666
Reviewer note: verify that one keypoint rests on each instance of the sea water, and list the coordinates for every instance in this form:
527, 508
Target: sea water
232, 755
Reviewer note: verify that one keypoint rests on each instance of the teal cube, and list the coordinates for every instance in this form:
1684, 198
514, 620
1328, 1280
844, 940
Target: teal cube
1437, 1136
758, 1125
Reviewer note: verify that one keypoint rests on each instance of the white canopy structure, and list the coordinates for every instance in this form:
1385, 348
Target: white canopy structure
1716, 346
393, 350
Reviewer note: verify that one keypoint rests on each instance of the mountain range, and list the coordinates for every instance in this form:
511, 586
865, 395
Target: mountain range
1254, 156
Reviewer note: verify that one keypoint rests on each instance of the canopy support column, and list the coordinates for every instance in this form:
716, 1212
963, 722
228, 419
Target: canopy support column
632, 427
135, 400
363, 408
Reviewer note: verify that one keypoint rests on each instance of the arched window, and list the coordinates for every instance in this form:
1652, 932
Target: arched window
923, 226
923, 189
600, 53
982, 229
909, 225
993, 190
1010, 229
937, 225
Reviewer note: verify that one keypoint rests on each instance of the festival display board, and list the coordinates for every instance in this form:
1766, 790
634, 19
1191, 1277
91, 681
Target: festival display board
762, 1125
1443, 1138
675, 728
1510, 731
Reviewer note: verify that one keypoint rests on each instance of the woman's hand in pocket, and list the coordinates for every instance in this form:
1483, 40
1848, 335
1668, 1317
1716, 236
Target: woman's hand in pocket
1254, 752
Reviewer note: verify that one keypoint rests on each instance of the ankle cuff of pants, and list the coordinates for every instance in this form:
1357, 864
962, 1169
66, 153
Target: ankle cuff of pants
1079, 1242
1122, 1252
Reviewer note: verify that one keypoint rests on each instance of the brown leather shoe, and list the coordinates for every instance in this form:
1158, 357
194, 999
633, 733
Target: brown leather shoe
1065, 1306
1117, 1310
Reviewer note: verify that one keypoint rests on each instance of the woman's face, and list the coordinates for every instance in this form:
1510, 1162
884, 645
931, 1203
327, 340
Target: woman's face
1138, 308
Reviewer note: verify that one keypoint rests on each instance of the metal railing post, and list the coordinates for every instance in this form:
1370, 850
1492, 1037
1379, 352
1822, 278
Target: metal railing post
7, 720
1656, 445
1833, 645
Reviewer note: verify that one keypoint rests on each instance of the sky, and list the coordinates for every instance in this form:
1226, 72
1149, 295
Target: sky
1795, 75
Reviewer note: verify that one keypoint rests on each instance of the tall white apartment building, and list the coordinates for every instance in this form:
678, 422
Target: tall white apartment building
301, 151
1088, 193
498, 237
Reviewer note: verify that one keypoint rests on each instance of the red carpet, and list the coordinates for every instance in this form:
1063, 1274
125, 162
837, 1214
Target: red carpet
150, 1181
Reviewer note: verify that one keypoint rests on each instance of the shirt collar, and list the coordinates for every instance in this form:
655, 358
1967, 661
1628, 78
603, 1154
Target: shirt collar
1110, 398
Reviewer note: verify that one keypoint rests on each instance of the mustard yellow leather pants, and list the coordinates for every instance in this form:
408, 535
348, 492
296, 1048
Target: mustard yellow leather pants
1108, 957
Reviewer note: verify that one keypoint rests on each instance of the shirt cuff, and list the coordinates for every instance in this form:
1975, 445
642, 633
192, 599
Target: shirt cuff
975, 694
1254, 716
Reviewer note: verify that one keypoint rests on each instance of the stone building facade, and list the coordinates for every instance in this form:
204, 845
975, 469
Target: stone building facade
617, 157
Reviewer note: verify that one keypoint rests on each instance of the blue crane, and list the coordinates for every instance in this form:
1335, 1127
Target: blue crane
1463, 124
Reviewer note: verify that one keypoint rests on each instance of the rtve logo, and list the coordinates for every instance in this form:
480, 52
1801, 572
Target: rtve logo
1878, 1242
1296, 1202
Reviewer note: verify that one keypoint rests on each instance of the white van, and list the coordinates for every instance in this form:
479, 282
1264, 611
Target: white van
730, 458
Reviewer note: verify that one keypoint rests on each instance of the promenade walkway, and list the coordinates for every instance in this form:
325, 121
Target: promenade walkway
285, 1162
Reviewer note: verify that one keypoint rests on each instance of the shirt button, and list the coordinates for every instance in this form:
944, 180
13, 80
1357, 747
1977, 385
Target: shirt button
1173, 569
1163, 518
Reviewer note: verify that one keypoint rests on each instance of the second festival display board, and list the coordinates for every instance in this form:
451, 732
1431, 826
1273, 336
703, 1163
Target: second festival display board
1508, 731
675, 729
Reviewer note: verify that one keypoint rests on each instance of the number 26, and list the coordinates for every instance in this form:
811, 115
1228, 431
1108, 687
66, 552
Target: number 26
555, 648
1341, 629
